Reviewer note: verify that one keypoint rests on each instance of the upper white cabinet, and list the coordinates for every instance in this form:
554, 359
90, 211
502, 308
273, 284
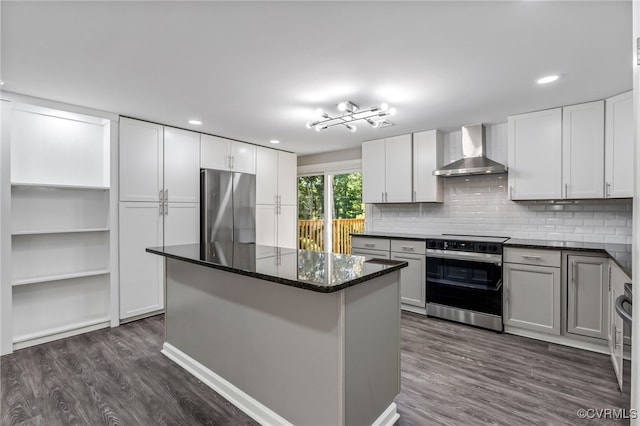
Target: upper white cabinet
387, 170
373, 171
619, 146
427, 157
141, 154
181, 166
583, 150
535, 155
276, 198
225, 154
276, 173
575, 152
158, 163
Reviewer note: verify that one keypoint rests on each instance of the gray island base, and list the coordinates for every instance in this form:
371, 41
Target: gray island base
288, 336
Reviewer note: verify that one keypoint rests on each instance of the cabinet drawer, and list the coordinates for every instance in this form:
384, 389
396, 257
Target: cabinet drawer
371, 243
532, 256
371, 254
408, 246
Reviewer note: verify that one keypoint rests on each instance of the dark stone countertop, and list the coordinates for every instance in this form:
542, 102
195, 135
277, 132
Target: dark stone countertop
620, 253
310, 270
394, 236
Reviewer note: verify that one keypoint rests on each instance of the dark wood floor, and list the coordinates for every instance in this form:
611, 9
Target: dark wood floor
451, 375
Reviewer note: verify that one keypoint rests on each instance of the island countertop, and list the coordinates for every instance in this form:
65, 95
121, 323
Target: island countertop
310, 270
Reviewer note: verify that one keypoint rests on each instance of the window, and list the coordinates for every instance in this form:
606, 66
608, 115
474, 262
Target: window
334, 198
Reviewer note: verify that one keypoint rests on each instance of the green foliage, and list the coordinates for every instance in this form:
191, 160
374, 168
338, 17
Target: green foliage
310, 197
347, 197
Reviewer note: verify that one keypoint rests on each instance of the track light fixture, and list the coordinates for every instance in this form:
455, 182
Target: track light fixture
351, 113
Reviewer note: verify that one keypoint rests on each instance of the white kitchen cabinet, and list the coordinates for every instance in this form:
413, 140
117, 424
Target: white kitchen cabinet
224, 154
583, 150
531, 291
535, 155
616, 325
159, 204
387, 173
587, 296
427, 157
276, 198
287, 178
141, 155
413, 277
276, 173
141, 280
619, 146
276, 225
373, 171
154, 158
181, 166
181, 224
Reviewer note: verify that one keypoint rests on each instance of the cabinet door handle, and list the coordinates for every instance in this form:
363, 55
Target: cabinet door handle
414, 196
566, 190
166, 195
609, 277
527, 256
408, 248
510, 192
369, 245
607, 191
233, 161
166, 208
386, 197
161, 196
382, 197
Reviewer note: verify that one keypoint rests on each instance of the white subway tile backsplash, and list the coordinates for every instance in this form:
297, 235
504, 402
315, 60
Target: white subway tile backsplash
479, 205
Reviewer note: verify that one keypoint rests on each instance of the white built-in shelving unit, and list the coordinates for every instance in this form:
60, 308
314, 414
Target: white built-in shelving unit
62, 222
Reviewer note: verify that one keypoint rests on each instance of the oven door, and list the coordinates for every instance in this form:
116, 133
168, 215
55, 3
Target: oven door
474, 285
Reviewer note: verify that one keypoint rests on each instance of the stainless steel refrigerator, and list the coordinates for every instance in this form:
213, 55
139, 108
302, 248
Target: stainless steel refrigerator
227, 206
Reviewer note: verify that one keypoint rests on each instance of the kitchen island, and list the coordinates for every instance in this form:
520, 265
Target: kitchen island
288, 336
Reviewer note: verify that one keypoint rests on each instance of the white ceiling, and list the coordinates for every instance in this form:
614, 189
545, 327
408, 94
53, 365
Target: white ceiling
256, 71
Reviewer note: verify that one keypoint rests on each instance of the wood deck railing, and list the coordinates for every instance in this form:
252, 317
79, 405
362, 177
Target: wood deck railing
311, 234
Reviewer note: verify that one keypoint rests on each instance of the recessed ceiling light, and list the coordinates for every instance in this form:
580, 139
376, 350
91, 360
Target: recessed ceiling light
548, 79
274, 141
195, 122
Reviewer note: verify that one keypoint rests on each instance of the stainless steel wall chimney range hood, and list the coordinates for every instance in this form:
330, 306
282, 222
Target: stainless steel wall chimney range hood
474, 162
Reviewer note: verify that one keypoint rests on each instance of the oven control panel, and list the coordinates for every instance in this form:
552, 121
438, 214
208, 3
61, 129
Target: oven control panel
464, 245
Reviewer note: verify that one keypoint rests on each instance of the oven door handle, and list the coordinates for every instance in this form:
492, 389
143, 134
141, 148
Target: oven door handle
471, 257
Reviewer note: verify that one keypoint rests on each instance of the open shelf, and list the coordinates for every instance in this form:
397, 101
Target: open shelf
58, 231
43, 257
58, 186
60, 277
51, 308
54, 332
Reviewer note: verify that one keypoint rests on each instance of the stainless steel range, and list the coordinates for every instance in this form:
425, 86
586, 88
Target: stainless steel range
464, 279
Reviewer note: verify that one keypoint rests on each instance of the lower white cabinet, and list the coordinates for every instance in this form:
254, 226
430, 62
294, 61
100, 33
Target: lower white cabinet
413, 277
587, 296
532, 297
143, 225
276, 225
616, 326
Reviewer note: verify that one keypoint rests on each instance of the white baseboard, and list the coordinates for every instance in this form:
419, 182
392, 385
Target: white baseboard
414, 309
250, 406
560, 340
388, 417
